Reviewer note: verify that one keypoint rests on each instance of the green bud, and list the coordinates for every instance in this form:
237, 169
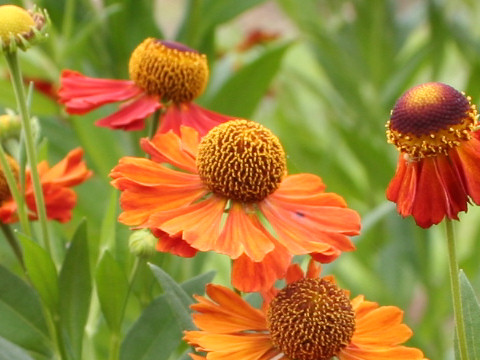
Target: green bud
142, 243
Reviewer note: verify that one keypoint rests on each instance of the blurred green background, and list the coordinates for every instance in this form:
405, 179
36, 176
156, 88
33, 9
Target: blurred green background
323, 75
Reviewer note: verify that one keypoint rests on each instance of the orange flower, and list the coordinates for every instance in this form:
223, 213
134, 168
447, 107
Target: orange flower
438, 173
310, 319
56, 182
159, 71
230, 193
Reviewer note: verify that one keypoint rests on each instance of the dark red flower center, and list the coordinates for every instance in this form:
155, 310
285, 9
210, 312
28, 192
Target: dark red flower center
430, 119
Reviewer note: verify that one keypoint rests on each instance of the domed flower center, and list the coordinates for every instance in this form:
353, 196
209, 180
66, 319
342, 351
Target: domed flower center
311, 319
4, 189
168, 69
430, 119
14, 21
241, 160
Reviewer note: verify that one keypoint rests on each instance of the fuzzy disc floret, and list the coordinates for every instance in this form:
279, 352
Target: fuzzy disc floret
168, 69
311, 319
241, 160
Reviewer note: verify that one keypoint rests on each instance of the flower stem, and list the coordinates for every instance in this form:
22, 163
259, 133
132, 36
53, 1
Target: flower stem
15, 72
455, 284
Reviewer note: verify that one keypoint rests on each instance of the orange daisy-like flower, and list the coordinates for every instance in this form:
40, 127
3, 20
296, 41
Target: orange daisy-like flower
56, 182
230, 193
310, 319
159, 71
438, 173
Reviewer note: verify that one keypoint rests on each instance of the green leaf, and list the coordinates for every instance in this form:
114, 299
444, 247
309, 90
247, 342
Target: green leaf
10, 351
41, 271
156, 333
177, 298
21, 314
471, 317
75, 289
112, 289
242, 92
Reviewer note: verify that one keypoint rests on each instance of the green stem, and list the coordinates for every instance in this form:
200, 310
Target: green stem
455, 284
115, 335
153, 125
17, 197
13, 65
13, 242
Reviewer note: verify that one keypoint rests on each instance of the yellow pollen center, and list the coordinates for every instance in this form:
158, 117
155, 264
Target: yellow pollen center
430, 119
311, 319
171, 70
241, 160
4, 189
14, 21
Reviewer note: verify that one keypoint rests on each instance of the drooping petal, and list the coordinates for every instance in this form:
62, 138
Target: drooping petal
131, 116
82, 94
403, 186
169, 148
173, 244
199, 223
59, 202
192, 115
249, 276
70, 171
310, 222
467, 161
241, 234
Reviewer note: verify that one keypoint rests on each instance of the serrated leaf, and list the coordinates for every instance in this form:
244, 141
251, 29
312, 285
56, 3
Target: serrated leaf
41, 271
176, 297
242, 92
10, 351
112, 290
156, 334
75, 289
471, 317
21, 314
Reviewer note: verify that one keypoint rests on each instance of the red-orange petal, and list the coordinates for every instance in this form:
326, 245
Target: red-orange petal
191, 115
70, 171
467, 161
131, 116
82, 94
173, 244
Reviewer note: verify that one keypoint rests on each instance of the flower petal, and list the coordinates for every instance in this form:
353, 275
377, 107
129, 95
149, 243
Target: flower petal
241, 234
82, 94
467, 161
132, 115
192, 115
249, 276
172, 149
70, 171
173, 244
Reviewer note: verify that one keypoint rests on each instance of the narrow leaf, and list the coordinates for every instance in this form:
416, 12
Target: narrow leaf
112, 289
156, 334
21, 314
10, 351
75, 289
41, 271
242, 92
177, 298
471, 317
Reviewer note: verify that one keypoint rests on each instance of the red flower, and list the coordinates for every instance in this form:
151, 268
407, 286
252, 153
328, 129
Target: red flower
56, 182
438, 172
230, 194
310, 319
159, 71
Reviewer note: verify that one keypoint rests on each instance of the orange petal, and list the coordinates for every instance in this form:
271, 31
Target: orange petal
240, 235
142, 202
169, 148
68, 172
173, 244
226, 312
248, 275
467, 161
199, 223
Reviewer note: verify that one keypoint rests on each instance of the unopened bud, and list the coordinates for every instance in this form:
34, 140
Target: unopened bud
142, 243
